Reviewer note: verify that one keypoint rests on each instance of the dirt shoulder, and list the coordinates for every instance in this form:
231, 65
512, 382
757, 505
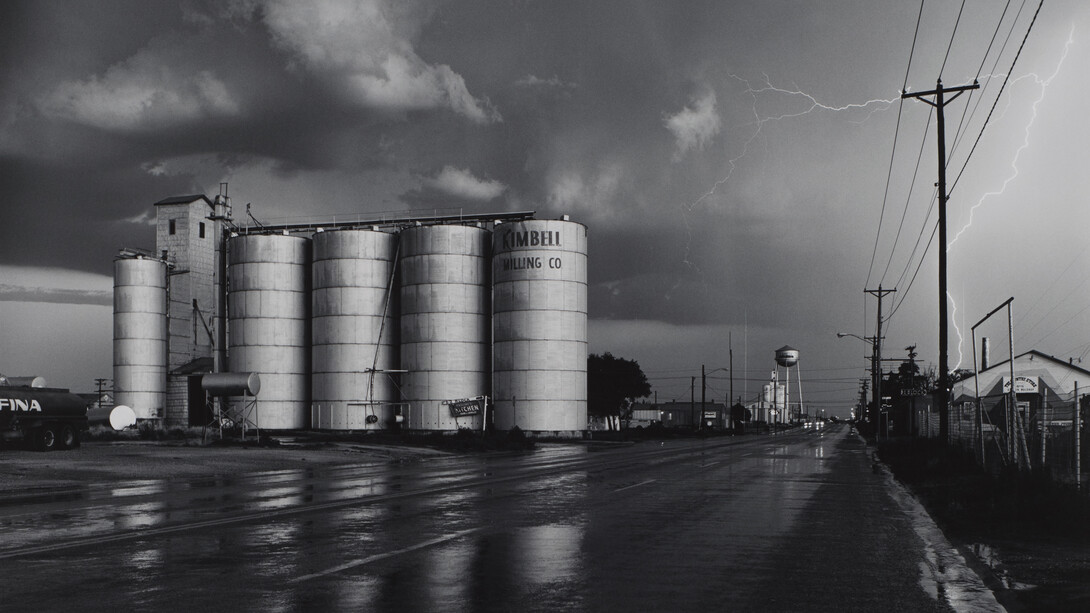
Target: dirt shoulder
1029, 537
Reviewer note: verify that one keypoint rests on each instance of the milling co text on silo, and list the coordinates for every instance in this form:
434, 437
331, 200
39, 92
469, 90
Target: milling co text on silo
531, 238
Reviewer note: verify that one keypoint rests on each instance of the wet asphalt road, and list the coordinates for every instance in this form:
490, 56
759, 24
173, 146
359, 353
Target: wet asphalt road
793, 522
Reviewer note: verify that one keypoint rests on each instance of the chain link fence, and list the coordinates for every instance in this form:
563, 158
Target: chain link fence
1042, 440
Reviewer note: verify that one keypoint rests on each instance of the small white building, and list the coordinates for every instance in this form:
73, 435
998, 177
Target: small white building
1044, 387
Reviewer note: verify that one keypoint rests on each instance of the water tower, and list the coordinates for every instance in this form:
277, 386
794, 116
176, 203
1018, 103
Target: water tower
787, 356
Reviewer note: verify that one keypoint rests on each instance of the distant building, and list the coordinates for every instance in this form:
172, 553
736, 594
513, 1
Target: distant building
684, 414
1039, 429
770, 405
643, 414
1044, 387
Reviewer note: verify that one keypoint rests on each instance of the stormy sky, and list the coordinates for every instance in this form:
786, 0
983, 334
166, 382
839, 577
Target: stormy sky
746, 168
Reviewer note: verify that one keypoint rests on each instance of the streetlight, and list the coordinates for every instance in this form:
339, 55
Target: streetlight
704, 389
876, 380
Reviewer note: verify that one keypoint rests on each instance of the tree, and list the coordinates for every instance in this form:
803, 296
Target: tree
613, 384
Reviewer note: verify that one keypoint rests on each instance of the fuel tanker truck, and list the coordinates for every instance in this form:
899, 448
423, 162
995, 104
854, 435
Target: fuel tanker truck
46, 418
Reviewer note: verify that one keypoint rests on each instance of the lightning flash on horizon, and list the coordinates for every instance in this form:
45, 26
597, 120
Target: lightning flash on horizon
1014, 170
812, 105
759, 121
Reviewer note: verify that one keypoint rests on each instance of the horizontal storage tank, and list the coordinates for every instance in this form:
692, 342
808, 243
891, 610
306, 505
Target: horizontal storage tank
354, 330
140, 335
268, 304
539, 326
445, 328
24, 381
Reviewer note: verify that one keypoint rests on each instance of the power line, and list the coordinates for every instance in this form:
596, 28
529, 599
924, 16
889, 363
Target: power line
908, 199
916, 248
912, 51
1006, 80
893, 152
952, 35
992, 41
1041, 296
988, 83
966, 117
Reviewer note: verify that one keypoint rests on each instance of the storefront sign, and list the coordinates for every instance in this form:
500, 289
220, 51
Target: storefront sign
1022, 385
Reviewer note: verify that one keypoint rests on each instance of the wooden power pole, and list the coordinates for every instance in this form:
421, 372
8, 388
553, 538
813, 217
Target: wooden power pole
944, 361
876, 364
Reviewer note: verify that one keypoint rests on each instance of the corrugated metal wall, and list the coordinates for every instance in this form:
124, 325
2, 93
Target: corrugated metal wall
539, 271
354, 329
140, 335
268, 323
445, 323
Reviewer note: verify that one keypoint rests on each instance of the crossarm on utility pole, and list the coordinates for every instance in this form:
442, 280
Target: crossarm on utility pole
944, 360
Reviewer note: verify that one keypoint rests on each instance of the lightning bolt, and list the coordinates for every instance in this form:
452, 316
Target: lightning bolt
1025, 140
766, 87
760, 121
1014, 171
954, 320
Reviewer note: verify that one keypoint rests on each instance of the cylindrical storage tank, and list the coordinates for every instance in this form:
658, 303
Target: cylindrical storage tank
140, 335
539, 326
354, 330
231, 383
26, 381
268, 304
445, 328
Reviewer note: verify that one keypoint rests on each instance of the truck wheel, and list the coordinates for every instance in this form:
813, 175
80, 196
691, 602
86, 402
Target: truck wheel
48, 439
69, 439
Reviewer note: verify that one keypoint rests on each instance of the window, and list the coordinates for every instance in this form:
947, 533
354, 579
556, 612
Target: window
200, 230
172, 227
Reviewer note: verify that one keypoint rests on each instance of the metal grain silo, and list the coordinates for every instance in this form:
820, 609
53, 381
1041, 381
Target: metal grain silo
267, 310
539, 326
354, 330
445, 327
140, 335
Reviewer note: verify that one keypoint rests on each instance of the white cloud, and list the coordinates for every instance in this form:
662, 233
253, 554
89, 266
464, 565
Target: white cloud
145, 91
535, 81
590, 195
694, 126
145, 218
367, 49
463, 184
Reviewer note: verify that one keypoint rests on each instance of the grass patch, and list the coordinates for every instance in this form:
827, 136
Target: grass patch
965, 497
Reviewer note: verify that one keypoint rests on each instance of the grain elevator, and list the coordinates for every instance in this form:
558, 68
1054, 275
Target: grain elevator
428, 323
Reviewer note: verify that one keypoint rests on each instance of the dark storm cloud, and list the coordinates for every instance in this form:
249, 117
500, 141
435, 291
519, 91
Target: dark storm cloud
92, 143
623, 115
74, 216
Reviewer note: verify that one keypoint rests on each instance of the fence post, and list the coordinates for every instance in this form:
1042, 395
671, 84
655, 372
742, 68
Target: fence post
1078, 442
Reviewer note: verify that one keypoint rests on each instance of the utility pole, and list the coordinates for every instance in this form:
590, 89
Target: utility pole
692, 400
944, 360
703, 394
862, 396
730, 365
876, 364
100, 385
